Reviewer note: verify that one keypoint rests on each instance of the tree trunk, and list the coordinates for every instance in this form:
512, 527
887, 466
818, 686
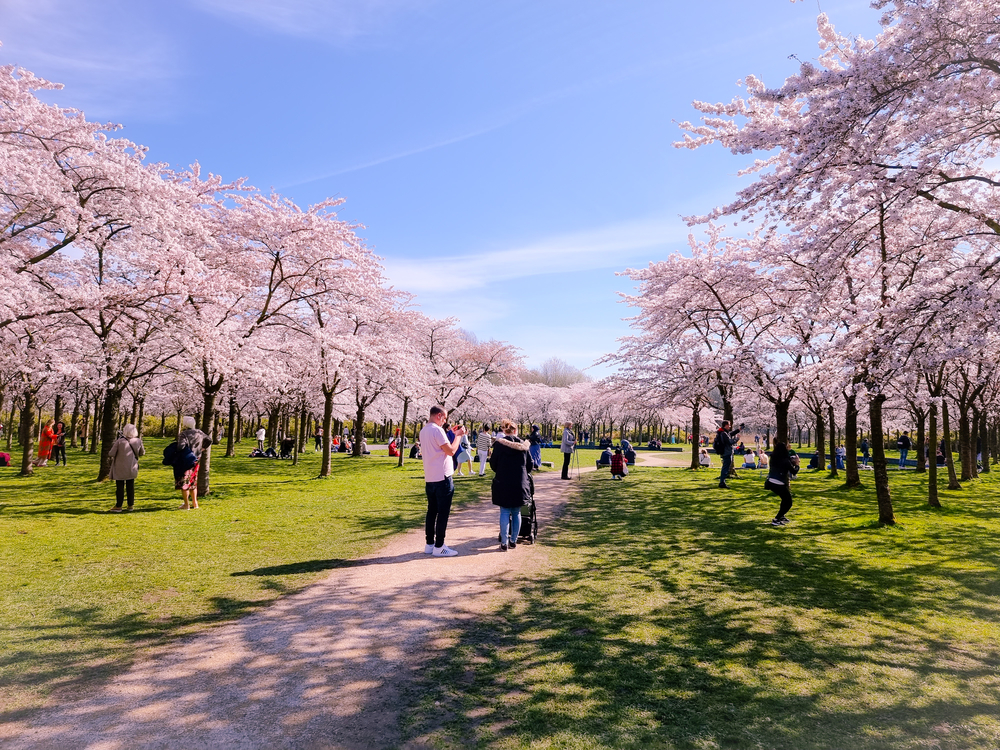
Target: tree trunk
303, 427
142, 415
95, 425
359, 430
231, 431
10, 423
973, 435
74, 422
964, 448
885, 514
781, 417
57, 411
109, 430
932, 467
205, 468
831, 414
984, 441
324, 470
695, 434
820, 440
948, 458
163, 424
28, 445
851, 442
921, 416
402, 431
85, 425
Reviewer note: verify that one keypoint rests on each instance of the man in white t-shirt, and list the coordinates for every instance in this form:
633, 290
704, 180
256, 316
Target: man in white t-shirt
261, 434
438, 467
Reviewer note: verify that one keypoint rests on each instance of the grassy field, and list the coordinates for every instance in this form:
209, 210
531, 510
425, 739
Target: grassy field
85, 591
674, 616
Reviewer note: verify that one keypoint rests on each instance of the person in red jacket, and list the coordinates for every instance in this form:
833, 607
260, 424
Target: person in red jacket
618, 470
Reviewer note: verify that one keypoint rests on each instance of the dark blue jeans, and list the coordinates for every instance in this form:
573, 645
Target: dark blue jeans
727, 464
439, 495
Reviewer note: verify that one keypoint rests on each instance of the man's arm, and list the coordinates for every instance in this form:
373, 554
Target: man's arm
453, 447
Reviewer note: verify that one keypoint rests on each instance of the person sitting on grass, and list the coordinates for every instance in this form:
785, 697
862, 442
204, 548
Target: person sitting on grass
749, 461
618, 468
761, 459
703, 458
606, 457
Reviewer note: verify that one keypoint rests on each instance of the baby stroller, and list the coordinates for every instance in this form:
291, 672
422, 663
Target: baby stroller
529, 518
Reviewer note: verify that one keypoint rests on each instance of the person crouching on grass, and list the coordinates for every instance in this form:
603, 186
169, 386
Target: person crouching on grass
784, 466
618, 468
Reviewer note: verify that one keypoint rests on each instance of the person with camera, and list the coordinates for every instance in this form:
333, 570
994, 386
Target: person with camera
725, 439
438, 452
784, 466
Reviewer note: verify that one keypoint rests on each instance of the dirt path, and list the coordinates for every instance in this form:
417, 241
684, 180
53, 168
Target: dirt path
325, 668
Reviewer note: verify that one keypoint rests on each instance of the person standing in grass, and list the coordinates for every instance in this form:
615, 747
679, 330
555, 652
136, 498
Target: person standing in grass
535, 440
783, 468
124, 457
439, 485
261, 434
59, 443
45, 441
464, 455
567, 446
483, 442
196, 441
904, 444
511, 488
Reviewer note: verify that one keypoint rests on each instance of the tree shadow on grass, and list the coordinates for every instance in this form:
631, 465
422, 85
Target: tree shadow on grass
693, 625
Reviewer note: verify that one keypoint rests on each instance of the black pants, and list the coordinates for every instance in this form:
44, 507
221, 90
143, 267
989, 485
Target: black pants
319, 442
439, 495
57, 451
123, 487
566, 458
782, 491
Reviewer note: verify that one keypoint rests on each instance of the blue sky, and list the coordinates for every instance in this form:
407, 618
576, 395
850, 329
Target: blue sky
506, 158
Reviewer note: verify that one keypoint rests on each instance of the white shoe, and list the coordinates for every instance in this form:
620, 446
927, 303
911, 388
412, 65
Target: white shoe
444, 551
428, 549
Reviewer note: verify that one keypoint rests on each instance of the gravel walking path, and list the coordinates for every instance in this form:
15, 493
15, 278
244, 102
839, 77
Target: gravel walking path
325, 668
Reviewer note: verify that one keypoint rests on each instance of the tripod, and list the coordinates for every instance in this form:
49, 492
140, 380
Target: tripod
576, 461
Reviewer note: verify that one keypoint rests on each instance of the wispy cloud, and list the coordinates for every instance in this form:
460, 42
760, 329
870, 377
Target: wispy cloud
604, 247
91, 46
333, 20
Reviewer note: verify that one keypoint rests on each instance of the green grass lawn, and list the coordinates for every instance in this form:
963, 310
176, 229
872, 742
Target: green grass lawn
675, 616
85, 591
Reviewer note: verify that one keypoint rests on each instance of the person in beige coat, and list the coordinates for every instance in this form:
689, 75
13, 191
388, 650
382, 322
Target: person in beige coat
124, 456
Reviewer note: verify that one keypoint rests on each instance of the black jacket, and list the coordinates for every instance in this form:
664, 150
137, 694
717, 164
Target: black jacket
511, 463
726, 441
781, 469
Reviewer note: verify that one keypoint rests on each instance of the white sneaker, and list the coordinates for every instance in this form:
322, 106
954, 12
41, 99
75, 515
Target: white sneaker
428, 549
444, 551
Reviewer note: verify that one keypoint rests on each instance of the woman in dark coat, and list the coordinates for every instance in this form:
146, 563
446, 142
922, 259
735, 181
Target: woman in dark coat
511, 464
784, 465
